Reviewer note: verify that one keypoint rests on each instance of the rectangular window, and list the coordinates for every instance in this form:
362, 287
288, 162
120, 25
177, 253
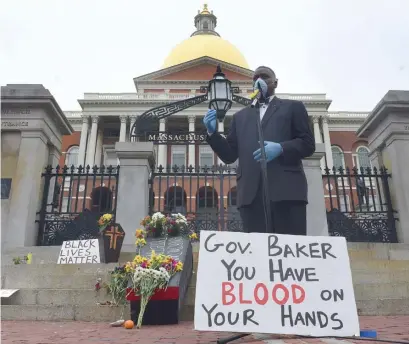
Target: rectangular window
178, 156
206, 156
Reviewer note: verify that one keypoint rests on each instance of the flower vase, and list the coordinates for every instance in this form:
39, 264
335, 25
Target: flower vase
173, 231
158, 231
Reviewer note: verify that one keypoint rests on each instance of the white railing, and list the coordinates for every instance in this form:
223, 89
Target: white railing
318, 96
176, 96
73, 114
136, 96
342, 114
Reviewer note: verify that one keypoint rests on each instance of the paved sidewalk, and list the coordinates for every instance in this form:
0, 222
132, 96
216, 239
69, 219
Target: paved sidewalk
25, 332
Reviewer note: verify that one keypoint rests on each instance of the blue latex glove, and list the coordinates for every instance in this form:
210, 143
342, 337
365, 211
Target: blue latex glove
273, 150
210, 121
260, 83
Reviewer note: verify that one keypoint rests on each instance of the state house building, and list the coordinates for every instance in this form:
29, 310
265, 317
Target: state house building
107, 118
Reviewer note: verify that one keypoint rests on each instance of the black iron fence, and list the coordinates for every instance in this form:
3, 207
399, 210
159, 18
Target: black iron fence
358, 202
73, 200
206, 195
359, 205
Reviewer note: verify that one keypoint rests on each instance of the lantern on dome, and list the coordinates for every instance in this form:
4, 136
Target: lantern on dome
220, 94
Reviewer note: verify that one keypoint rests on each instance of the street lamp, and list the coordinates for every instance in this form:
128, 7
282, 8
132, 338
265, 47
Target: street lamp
220, 94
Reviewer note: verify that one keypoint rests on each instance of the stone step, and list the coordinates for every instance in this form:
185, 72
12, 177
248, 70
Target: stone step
55, 276
57, 297
378, 280
383, 251
57, 269
370, 265
63, 313
381, 291
379, 265
382, 276
49, 254
357, 251
384, 307
54, 281
363, 292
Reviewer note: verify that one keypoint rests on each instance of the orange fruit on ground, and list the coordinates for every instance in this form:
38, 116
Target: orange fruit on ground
129, 324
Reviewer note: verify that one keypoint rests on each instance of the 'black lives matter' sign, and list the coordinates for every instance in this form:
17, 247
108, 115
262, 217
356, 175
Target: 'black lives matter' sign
79, 252
267, 283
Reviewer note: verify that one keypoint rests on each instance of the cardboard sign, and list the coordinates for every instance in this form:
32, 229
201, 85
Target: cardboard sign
79, 252
279, 284
7, 292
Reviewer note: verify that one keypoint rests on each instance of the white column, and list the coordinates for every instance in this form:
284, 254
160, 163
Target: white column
220, 129
98, 150
192, 147
92, 141
83, 140
132, 122
317, 131
327, 142
122, 132
162, 153
317, 136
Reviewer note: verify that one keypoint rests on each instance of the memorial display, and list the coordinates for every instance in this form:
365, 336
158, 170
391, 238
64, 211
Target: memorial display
156, 280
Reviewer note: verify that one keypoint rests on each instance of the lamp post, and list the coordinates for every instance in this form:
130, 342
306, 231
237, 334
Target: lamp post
219, 92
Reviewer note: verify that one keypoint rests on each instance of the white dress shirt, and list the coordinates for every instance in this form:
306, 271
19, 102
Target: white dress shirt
263, 109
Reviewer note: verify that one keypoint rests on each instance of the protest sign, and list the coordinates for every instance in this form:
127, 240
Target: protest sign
282, 284
79, 252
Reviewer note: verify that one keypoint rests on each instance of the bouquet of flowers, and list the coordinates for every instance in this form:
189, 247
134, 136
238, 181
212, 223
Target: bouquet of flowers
193, 236
140, 239
175, 224
104, 221
118, 284
154, 225
151, 274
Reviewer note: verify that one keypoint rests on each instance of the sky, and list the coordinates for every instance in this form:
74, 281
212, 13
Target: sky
354, 51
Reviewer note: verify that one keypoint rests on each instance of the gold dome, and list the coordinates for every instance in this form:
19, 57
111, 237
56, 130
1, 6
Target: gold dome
205, 45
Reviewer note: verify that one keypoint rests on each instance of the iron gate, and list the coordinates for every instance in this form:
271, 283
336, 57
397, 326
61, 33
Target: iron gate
205, 195
73, 200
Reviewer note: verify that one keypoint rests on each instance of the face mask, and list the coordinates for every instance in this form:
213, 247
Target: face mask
260, 83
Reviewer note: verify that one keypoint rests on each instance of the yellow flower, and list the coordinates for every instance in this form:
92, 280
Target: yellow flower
179, 266
140, 242
107, 217
129, 267
193, 236
139, 259
140, 233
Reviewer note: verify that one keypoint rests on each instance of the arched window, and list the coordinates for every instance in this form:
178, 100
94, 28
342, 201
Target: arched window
71, 157
362, 157
338, 157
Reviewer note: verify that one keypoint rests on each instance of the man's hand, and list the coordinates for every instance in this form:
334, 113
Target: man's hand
273, 150
210, 121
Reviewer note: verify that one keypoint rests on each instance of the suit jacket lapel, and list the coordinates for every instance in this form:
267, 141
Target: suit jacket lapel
273, 106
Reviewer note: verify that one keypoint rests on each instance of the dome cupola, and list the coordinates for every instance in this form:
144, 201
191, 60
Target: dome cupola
205, 41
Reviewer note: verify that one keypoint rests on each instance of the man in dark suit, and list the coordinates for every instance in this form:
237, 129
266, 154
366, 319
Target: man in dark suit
288, 140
